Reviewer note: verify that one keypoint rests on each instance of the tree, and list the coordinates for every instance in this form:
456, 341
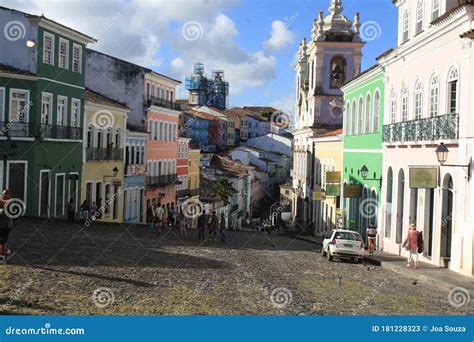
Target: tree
223, 189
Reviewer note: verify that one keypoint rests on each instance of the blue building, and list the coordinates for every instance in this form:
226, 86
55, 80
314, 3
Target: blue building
257, 125
197, 128
135, 172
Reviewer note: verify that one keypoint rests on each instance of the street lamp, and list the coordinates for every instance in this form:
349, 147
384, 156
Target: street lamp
442, 156
115, 171
30, 43
364, 172
442, 153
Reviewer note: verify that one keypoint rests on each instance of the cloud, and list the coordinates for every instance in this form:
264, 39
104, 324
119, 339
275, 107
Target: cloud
150, 33
280, 38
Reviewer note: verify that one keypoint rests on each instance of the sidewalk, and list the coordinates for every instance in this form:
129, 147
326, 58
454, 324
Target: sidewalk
440, 277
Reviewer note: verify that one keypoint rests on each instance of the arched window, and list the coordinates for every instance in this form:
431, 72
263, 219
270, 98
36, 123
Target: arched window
170, 132
148, 90
353, 118
347, 119
152, 90
435, 11
165, 137
90, 136
338, 71
160, 168
100, 137
118, 143
161, 134
406, 26
434, 95
419, 16
453, 80
368, 103
388, 204
376, 120
360, 111
418, 100
404, 108
393, 107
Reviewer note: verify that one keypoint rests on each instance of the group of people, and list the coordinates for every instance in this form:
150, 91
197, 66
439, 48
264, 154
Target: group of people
88, 210
160, 216
212, 225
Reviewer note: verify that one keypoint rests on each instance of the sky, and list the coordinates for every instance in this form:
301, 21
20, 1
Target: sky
254, 41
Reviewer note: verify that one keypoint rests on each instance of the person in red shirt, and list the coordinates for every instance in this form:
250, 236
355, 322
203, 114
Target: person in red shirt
411, 244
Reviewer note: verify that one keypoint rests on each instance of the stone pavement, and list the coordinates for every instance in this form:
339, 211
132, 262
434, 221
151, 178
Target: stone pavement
69, 269
443, 278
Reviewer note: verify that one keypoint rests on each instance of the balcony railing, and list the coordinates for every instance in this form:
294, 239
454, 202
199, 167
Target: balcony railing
156, 101
95, 153
445, 127
16, 129
156, 181
60, 132
25, 130
183, 193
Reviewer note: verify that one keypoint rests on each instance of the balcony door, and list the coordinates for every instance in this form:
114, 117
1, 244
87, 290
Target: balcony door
400, 204
16, 179
45, 193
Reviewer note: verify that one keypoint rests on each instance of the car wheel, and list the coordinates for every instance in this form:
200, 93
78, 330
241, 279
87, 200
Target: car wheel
323, 252
329, 255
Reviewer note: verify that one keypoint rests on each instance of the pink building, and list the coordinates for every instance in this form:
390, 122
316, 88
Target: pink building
162, 147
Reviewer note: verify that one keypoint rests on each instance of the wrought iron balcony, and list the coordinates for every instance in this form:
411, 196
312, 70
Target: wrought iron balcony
182, 193
60, 132
157, 181
157, 101
445, 127
95, 153
16, 129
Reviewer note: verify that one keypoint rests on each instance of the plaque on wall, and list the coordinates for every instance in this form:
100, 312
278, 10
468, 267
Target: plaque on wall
352, 191
423, 177
333, 177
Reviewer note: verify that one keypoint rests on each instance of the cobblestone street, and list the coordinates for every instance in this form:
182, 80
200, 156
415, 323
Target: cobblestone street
61, 269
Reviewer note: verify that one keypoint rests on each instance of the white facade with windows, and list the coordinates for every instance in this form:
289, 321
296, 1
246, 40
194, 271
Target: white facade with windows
430, 78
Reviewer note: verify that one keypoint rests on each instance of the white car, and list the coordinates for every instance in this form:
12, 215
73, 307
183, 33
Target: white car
343, 244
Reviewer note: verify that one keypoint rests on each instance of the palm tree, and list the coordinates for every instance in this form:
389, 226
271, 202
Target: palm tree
223, 189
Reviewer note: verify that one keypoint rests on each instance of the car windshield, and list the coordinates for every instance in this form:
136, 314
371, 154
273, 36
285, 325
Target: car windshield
347, 236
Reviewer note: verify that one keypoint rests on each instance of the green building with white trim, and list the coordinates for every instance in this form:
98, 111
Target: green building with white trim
362, 166
42, 79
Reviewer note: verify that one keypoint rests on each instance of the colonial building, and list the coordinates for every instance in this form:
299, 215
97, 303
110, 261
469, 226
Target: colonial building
331, 58
41, 111
182, 170
103, 159
135, 174
328, 154
362, 170
429, 80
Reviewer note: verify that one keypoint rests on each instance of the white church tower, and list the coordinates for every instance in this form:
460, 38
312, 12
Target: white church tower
331, 58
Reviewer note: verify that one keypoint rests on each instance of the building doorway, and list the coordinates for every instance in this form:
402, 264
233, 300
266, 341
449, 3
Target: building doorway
447, 217
400, 204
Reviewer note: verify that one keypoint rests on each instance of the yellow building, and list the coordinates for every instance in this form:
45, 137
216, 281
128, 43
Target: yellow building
103, 157
194, 170
328, 154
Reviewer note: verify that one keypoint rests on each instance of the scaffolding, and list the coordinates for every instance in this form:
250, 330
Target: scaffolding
204, 91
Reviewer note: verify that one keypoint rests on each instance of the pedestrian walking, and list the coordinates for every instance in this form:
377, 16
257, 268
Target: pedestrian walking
6, 225
371, 237
159, 218
71, 210
85, 211
213, 226
202, 221
150, 215
164, 217
183, 226
411, 244
172, 217
222, 228
93, 209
